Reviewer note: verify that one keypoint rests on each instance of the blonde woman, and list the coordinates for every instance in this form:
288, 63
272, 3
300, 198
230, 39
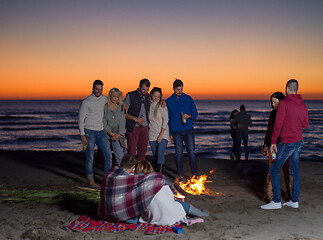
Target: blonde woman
143, 167
114, 122
158, 127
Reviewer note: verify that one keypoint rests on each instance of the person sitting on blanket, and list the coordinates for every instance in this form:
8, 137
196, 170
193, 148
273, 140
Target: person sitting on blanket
124, 197
163, 208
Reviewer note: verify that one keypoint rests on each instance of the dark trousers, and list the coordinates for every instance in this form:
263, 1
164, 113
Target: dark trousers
137, 142
242, 135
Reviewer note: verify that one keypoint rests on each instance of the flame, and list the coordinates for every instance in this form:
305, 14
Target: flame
196, 184
179, 196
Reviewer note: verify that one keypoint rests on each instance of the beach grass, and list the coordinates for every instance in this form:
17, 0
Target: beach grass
54, 197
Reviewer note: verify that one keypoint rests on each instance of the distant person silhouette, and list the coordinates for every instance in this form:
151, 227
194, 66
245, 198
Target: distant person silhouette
242, 120
233, 135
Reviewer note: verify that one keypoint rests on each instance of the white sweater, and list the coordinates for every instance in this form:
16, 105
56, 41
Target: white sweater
158, 122
163, 209
91, 113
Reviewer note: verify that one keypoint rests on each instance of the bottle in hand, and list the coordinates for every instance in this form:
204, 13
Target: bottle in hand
273, 156
182, 119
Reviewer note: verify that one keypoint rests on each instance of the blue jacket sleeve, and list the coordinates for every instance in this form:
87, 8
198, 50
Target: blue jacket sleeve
193, 109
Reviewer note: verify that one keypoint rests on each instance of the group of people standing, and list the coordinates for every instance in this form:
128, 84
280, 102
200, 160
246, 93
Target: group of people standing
141, 118
144, 117
132, 191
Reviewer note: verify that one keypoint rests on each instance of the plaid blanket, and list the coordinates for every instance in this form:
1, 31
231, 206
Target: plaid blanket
86, 224
125, 196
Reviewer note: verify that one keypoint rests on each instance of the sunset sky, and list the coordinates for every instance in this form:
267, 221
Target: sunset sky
221, 49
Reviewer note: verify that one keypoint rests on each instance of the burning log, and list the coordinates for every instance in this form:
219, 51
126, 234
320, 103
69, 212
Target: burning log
194, 185
180, 190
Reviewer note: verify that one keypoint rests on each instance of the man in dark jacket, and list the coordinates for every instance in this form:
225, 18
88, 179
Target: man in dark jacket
242, 120
292, 116
137, 120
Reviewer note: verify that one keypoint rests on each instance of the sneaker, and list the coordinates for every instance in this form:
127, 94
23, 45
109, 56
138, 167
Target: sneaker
272, 205
291, 204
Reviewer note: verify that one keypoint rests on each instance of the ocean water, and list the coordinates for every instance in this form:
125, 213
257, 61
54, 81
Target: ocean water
52, 125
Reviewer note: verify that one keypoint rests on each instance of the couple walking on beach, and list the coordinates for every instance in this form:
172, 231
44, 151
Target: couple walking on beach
239, 123
146, 121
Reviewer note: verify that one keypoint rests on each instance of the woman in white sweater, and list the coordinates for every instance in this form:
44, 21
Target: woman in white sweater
158, 127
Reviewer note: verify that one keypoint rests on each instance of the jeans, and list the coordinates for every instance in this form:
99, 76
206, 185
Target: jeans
188, 137
185, 205
242, 135
100, 139
292, 152
158, 150
137, 140
118, 151
234, 137
133, 220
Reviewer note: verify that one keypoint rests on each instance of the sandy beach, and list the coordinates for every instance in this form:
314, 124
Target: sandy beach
233, 198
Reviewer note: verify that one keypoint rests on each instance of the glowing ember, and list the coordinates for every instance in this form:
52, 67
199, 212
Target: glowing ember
179, 196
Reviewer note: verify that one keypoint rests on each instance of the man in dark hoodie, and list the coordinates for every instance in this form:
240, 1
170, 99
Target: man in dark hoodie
242, 121
292, 116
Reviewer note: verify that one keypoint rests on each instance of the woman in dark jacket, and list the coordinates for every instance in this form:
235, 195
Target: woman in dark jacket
233, 135
275, 100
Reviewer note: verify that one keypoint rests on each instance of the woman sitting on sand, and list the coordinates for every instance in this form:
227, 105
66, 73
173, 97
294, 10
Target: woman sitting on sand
158, 127
275, 100
163, 208
114, 122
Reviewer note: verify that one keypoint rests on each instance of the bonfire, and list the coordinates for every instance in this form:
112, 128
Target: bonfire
195, 185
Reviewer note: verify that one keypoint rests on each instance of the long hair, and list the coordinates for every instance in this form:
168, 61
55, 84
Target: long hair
234, 111
279, 95
157, 89
143, 167
114, 90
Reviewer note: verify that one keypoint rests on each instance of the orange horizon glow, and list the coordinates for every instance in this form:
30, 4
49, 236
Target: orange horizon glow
195, 96
208, 90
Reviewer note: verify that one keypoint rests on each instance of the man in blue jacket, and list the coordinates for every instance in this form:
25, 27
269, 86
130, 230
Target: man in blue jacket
182, 111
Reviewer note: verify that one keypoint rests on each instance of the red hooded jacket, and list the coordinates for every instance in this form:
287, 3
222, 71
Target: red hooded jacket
292, 116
